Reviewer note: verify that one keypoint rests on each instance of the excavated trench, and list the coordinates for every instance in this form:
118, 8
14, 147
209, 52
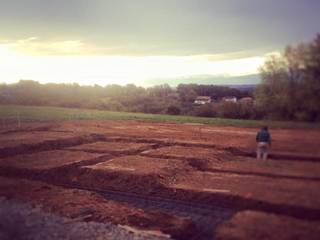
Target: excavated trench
205, 217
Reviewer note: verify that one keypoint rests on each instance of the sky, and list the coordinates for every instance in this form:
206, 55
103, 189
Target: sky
148, 42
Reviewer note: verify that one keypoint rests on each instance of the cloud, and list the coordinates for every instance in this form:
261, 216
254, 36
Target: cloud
77, 61
37, 47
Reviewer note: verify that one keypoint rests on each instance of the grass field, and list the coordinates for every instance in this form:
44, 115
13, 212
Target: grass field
30, 113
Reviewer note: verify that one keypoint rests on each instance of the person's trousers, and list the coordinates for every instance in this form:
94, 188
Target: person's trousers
262, 150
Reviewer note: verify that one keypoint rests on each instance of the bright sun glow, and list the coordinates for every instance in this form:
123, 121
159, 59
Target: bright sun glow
19, 61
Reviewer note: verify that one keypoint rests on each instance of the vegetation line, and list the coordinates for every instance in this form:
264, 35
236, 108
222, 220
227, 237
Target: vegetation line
14, 113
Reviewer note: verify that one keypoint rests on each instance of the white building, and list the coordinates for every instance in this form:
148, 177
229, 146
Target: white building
230, 99
201, 100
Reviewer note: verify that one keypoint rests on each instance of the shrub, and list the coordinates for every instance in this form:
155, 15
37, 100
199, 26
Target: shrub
173, 110
205, 111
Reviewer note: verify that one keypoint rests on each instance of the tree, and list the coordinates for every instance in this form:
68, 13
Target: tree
311, 72
186, 93
291, 83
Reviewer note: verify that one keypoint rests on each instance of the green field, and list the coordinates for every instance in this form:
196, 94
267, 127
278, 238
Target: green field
44, 114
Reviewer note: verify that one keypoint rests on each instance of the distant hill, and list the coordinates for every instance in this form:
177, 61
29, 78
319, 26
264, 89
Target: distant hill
243, 87
239, 82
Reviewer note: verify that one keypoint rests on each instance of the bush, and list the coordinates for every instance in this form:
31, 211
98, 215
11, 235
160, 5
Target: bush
109, 104
227, 110
173, 110
246, 111
205, 111
302, 116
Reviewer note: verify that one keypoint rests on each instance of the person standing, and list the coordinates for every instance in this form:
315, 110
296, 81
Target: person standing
263, 140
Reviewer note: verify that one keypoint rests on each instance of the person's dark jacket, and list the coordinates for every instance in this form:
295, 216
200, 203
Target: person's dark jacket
263, 136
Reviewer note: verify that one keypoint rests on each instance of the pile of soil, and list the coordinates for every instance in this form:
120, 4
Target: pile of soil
257, 225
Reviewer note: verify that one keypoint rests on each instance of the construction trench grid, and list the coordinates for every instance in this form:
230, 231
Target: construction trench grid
205, 217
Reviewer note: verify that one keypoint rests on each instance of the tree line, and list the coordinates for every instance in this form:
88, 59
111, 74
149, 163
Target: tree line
161, 99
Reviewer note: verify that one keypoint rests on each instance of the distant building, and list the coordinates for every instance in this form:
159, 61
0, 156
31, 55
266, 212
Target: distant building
246, 100
201, 100
230, 99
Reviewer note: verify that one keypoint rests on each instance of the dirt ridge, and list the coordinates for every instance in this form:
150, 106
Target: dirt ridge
49, 145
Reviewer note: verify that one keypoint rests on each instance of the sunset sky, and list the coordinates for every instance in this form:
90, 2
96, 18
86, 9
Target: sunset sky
148, 42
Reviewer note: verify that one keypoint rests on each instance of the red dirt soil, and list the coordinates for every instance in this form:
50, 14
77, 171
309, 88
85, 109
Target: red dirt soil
275, 191
208, 154
257, 226
112, 147
301, 141
140, 165
271, 168
195, 163
304, 141
17, 138
131, 173
47, 159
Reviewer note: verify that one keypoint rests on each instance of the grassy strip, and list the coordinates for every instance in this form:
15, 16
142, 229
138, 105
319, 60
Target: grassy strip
29, 113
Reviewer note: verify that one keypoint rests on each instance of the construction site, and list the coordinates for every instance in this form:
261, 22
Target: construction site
155, 180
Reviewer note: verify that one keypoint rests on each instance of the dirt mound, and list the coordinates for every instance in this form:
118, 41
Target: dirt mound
257, 225
120, 181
